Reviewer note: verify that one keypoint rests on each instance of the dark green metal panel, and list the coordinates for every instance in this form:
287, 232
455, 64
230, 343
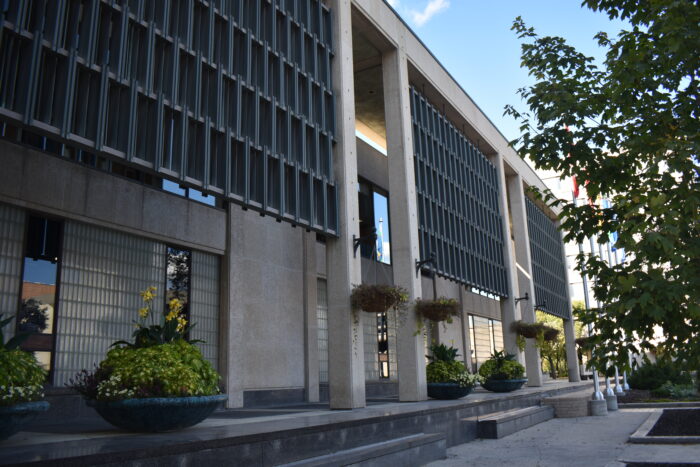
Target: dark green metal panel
222, 95
548, 268
459, 214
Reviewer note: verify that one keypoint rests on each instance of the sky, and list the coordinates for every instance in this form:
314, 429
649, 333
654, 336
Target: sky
473, 41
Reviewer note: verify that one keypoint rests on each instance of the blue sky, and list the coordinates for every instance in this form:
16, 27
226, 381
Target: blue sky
473, 40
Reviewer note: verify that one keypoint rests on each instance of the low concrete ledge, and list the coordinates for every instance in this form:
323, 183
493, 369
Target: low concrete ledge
414, 450
658, 405
502, 424
569, 405
641, 436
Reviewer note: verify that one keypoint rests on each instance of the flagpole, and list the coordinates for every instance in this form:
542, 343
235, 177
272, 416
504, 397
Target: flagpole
625, 386
597, 395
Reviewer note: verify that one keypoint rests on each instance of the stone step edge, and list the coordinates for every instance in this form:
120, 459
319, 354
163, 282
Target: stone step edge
508, 415
368, 451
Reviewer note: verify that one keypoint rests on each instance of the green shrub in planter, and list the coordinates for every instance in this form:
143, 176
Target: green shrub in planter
21, 377
501, 366
443, 372
653, 375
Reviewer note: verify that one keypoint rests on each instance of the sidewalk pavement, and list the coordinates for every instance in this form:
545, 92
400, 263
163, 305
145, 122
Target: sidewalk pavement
571, 442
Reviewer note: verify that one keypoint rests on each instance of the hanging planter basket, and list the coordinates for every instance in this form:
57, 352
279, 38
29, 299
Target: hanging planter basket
528, 330
441, 309
378, 298
550, 334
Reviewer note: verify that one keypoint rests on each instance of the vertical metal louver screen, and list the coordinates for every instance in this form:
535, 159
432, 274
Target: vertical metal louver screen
11, 257
459, 215
548, 268
232, 97
102, 273
204, 304
322, 321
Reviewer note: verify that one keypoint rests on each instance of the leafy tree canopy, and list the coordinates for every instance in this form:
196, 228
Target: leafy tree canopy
629, 127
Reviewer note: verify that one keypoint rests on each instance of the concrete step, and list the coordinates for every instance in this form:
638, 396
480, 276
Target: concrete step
413, 450
569, 405
500, 424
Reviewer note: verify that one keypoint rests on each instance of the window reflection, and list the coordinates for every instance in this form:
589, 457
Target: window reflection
178, 277
383, 344
374, 216
37, 314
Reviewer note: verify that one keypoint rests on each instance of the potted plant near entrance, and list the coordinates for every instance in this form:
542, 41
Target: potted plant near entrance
447, 378
21, 384
502, 373
158, 382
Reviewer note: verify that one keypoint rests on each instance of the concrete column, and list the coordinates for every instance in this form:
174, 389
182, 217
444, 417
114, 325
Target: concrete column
509, 311
346, 366
310, 320
569, 329
231, 340
403, 211
533, 363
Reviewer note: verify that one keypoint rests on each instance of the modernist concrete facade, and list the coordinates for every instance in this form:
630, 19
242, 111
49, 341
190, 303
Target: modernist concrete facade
299, 123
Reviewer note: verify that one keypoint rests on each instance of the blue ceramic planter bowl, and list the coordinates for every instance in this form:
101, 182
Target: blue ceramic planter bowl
13, 417
503, 385
447, 391
158, 413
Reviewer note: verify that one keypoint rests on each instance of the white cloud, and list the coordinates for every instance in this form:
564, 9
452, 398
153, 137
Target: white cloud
431, 9
393, 3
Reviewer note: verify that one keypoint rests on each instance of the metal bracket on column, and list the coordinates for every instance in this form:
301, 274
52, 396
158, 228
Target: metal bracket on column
357, 241
526, 298
432, 259
542, 306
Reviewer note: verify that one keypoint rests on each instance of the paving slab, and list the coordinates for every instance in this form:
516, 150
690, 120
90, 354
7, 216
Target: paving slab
573, 442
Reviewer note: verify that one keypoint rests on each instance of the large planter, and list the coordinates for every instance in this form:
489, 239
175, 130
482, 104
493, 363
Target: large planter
447, 391
158, 413
503, 385
13, 417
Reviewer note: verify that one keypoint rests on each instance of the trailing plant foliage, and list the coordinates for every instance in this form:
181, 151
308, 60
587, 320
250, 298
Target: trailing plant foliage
528, 330
501, 366
21, 377
175, 369
440, 309
628, 128
443, 353
653, 375
378, 298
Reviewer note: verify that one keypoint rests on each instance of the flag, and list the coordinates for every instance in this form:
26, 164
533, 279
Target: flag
380, 241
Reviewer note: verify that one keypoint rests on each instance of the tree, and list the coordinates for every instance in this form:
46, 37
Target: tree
553, 353
630, 129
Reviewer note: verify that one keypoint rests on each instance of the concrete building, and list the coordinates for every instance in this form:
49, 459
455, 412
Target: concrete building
230, 152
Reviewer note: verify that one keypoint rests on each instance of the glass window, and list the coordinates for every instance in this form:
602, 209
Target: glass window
472, 336
374, 216
191, 193
383, 344
178, 269
37, 313
174, 188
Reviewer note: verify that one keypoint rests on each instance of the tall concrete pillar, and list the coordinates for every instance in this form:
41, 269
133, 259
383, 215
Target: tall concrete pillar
523, 261
569, 329
510, 312
346, 367
404, 220
231, 339
311, 366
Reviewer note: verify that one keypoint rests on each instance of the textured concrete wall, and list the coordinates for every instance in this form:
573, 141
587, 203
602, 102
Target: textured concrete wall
269, 299
56, 186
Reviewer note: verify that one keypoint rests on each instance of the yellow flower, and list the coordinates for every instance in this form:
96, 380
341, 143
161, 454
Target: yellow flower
171, 315
143, 312
175, 305
148, 294
181, 323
